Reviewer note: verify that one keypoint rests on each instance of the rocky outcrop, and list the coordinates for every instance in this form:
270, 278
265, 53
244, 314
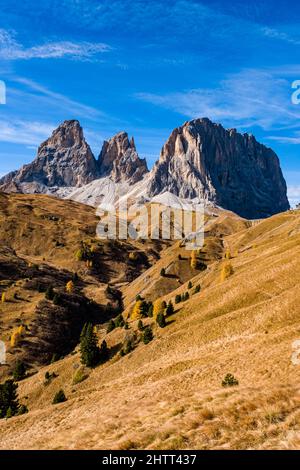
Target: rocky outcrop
65, 159
119, 160
203, 160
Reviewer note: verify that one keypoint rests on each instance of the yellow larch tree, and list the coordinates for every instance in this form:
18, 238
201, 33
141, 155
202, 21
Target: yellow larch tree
137, 310
70, 286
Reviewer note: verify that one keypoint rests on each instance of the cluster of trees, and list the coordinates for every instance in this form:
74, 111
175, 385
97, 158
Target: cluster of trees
118, 322
181, 297
9, 403
85, 253
142, 308
91, 354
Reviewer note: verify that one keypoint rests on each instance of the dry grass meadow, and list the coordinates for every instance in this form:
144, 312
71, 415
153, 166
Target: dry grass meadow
168, 394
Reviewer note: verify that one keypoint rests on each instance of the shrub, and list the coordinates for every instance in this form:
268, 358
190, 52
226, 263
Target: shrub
170, 309
229, 381
49, 377
22, 410
19, 371
138, 297
197, 289
111, 326
79, 376
89, 350
178, 299
163, 272
9, 403
160, 320
59, 397
186, 296
227, 271
3, 297
228, 254
147, 335
140, 325
190, 285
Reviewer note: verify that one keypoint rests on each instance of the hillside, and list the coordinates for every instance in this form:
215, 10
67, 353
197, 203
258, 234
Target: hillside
168, 394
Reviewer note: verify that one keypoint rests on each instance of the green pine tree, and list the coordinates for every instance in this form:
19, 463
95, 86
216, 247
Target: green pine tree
19, 371
89, 350
170, 309
8, 398
161, 320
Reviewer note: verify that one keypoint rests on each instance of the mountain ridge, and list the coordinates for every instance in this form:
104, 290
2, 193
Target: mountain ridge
200, 160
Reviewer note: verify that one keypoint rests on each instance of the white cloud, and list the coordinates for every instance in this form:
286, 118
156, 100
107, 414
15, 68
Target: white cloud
56, 100
275, 34
11, 49
23, 132
245, 99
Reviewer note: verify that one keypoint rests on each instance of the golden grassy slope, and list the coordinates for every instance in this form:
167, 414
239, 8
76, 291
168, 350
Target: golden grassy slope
168, 394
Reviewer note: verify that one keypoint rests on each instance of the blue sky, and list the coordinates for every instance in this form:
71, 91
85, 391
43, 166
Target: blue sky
147, 67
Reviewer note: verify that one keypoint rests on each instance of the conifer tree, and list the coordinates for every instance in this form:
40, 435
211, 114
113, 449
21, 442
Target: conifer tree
19, 371
90, 352
147, 335
161, 320
9, 403
178, 299
170, 309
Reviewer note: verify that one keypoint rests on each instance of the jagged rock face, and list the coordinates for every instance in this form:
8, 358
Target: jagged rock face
65, 159
203, 160
119, 160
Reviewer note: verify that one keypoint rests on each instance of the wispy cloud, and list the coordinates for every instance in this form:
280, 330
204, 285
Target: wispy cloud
57, 100
279, 35
245, 99
11, 49
23, 132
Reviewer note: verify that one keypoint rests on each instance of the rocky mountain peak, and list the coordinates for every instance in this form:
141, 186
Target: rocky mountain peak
65, 159
119, 159
203, 160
